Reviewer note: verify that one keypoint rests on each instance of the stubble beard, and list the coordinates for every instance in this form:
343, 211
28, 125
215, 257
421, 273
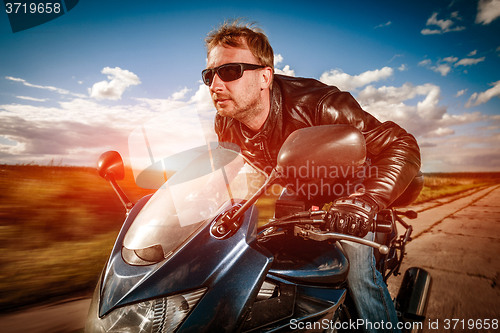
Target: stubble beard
241, 113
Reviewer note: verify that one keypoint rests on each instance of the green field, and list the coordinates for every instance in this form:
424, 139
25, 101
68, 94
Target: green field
58, 225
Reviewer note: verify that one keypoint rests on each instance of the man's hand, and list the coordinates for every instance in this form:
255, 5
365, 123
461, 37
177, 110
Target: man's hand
352, 216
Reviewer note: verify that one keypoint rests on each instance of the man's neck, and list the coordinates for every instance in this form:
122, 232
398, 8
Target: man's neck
258, 119
256, 123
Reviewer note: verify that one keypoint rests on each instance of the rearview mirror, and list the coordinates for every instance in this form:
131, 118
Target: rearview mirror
322, 147
110, 167
318, 147
109, 164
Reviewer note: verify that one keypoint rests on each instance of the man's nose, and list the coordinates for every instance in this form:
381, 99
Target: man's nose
217, 83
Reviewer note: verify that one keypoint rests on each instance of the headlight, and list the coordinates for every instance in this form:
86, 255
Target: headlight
155, 316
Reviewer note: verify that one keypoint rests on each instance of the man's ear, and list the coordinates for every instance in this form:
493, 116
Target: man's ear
266, 77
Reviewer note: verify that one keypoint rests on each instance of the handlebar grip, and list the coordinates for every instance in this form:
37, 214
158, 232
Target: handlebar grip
411, 214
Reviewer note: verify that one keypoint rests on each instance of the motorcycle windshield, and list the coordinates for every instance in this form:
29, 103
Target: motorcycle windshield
190, 198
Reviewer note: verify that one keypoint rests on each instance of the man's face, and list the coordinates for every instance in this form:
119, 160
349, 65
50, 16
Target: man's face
239, 99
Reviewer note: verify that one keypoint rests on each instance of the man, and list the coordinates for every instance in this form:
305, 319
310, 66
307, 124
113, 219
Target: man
257, 110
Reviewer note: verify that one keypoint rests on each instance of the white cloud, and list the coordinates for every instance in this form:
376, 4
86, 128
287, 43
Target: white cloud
383, 25
58, 90
443, 69
487, 11
396, 56
431, 32
460, 93
32, 98
345, 81
286, 70
473, 53
48, 132
160, 104
469, 61
423, 119
444, 25
426, 144
451, 59
440, 132
392, 95
485, 96
120, 79
180, 94
80, 129
202, 98
206, 110
478, 152
403, 67
471, 99
277, 59
425, 62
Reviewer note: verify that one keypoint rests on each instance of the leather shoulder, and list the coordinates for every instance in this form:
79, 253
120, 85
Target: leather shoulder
302, 97
298, 89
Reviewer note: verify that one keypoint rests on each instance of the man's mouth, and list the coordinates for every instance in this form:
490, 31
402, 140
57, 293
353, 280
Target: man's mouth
221, 100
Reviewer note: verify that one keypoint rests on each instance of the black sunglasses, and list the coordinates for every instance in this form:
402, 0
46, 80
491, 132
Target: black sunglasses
227, 72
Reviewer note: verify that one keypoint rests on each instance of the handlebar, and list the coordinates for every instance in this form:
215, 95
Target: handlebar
302, 226
322, 236
317, 217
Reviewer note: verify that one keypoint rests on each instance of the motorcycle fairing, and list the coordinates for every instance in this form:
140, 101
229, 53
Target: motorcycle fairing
311, 305
307, 262
203, 261
114, 286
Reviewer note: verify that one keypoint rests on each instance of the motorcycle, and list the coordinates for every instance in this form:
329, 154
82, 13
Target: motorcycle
193, 258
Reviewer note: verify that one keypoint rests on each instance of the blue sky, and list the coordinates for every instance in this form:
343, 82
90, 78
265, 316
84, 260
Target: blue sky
78, 85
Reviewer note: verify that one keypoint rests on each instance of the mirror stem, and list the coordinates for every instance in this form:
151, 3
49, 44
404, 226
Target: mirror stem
121, 195
275, 174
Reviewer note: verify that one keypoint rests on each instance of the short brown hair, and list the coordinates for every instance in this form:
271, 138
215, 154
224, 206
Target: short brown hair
232, 32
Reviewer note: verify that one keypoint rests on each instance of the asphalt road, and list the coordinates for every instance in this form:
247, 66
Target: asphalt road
64, 317
456, 239
459, 244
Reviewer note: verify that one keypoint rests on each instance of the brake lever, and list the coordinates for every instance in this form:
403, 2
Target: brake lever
322, 236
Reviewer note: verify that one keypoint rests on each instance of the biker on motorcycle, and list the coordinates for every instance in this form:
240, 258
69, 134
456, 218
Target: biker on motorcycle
258, 110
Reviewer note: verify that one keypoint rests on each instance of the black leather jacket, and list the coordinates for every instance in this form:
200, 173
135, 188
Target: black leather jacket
297, 103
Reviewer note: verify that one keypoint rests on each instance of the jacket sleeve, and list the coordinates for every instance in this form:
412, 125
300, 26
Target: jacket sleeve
393, 154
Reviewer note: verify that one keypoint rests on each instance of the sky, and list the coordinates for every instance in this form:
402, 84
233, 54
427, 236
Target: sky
80, 84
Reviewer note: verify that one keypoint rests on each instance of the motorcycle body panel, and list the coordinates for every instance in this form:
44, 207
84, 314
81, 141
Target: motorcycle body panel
312, 306
307, 262
201, 262
217, 265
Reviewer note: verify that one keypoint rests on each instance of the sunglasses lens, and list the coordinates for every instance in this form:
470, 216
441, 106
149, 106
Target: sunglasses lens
207, 75
230, 72
226, 73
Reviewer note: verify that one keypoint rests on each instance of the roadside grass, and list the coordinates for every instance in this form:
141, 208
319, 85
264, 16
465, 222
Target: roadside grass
441, 185
52, 273
58, 226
